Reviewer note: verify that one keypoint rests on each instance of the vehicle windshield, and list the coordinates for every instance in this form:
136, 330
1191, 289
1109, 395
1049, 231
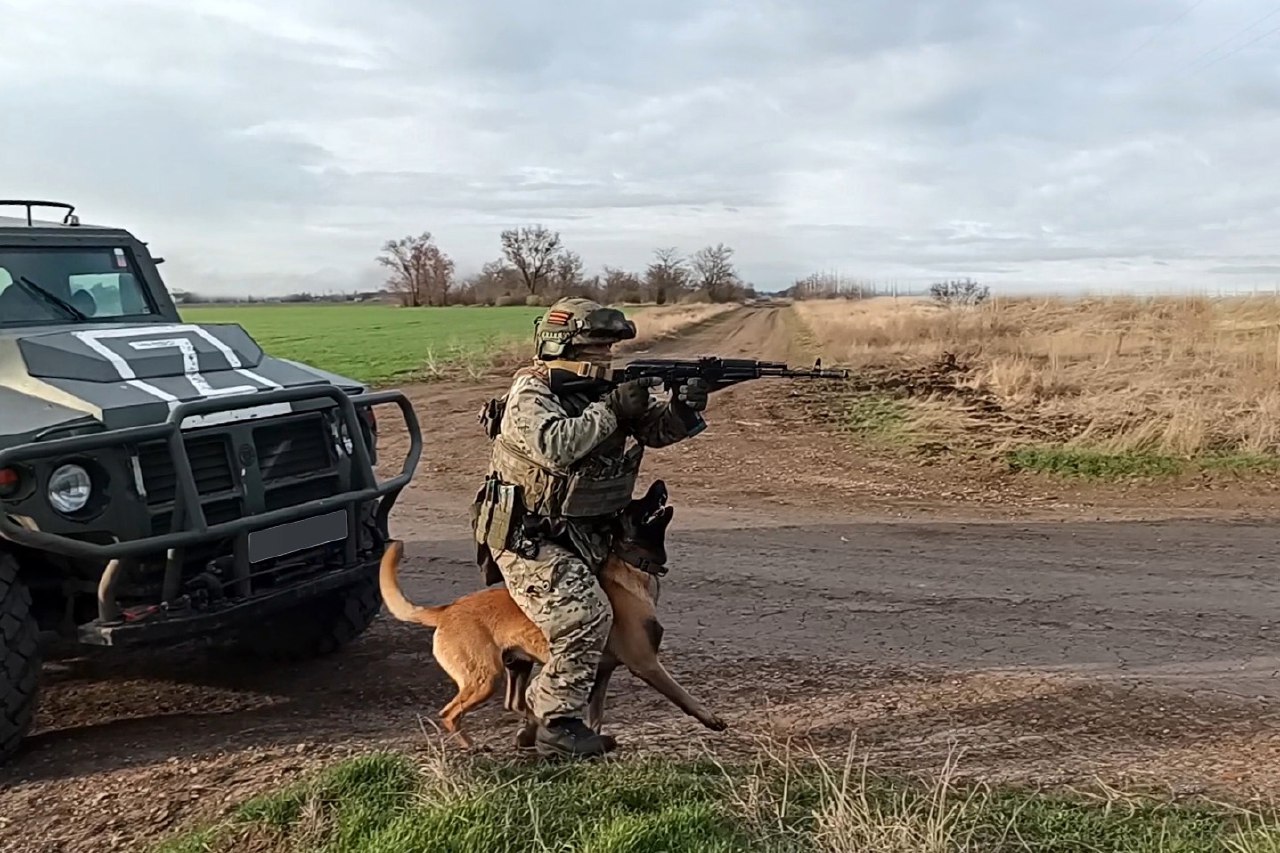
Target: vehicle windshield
55, 285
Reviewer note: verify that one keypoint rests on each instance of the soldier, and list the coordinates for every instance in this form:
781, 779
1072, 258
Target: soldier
560, 471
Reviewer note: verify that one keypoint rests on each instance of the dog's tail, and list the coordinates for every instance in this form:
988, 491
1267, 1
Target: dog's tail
389, 585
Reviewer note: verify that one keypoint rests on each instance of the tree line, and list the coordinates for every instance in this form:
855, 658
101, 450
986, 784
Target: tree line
829, 285
536, 268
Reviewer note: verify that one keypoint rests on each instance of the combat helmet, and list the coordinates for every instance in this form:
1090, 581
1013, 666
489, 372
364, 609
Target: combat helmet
574, 320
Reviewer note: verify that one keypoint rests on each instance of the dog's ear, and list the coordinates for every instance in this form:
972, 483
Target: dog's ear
654, 499
653, 532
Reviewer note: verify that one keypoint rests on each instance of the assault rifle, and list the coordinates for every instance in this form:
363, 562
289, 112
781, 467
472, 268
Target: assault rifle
718, 373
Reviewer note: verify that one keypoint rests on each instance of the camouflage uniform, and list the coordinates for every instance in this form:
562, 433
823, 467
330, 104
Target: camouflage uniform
558, 589
569, 454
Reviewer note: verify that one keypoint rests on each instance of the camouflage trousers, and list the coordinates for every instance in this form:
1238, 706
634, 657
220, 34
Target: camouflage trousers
560, 594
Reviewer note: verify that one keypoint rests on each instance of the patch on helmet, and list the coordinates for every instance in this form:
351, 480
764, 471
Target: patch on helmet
559, 318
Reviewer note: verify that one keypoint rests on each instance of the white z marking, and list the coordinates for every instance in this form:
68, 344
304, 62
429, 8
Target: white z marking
190, 368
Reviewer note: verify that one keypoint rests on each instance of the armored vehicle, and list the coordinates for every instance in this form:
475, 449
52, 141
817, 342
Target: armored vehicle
164, 481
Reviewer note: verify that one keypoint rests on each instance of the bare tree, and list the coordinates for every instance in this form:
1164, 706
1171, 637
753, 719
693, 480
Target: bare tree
621, 286
566, 275
421, 274
963, 293
713, 267
667, 276
439, 281
493, 285
828, 285
533, 251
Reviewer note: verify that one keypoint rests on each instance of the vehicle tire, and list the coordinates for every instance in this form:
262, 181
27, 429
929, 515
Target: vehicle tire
19, 659
317, 627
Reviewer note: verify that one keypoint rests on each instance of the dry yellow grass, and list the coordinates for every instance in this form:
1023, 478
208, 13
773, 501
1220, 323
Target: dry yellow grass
1179, 376
663, 321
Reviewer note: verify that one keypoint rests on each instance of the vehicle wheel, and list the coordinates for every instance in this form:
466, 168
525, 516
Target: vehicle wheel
317, 627
19, 659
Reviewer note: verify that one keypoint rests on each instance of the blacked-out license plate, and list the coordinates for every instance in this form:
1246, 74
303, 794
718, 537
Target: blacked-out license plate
297, 536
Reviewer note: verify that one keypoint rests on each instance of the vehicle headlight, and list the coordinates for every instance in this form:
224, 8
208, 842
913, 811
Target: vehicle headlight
69, 488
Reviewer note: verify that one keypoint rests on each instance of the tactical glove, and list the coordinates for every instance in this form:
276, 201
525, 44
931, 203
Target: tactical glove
692, 393
631, 399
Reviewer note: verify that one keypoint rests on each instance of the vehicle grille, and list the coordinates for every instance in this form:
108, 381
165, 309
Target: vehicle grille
292, 494
215, 512
210, 463
295, 458
293, 447
293, 454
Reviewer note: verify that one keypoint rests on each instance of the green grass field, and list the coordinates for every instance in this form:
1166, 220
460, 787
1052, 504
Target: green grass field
378, 343
388, 802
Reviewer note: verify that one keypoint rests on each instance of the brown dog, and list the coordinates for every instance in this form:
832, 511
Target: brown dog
483, 634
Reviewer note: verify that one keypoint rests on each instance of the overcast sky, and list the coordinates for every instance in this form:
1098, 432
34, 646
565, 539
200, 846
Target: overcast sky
1045, 141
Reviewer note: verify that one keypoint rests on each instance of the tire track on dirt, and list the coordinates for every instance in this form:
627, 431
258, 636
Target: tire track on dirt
745, 332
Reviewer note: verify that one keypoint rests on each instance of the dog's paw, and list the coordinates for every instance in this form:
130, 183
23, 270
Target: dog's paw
716, 724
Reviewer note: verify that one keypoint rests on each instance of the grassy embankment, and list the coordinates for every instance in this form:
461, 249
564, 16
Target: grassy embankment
1104, 387
381, 344
391, 802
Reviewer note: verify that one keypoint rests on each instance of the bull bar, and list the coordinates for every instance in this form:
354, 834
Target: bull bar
188, 506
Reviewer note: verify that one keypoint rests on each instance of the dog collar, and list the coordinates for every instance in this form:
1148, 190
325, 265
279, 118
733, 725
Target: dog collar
642, 562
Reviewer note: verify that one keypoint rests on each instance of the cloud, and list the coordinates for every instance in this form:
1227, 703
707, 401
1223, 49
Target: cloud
262, 145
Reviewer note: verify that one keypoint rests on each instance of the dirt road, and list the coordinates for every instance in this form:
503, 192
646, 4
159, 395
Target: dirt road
814, 591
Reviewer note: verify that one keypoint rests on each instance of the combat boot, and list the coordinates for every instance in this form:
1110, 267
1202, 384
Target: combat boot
569, 737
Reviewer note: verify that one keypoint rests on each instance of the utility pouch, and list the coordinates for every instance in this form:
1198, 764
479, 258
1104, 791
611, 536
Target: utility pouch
495, 513
490, 571
482, 511
506, 515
